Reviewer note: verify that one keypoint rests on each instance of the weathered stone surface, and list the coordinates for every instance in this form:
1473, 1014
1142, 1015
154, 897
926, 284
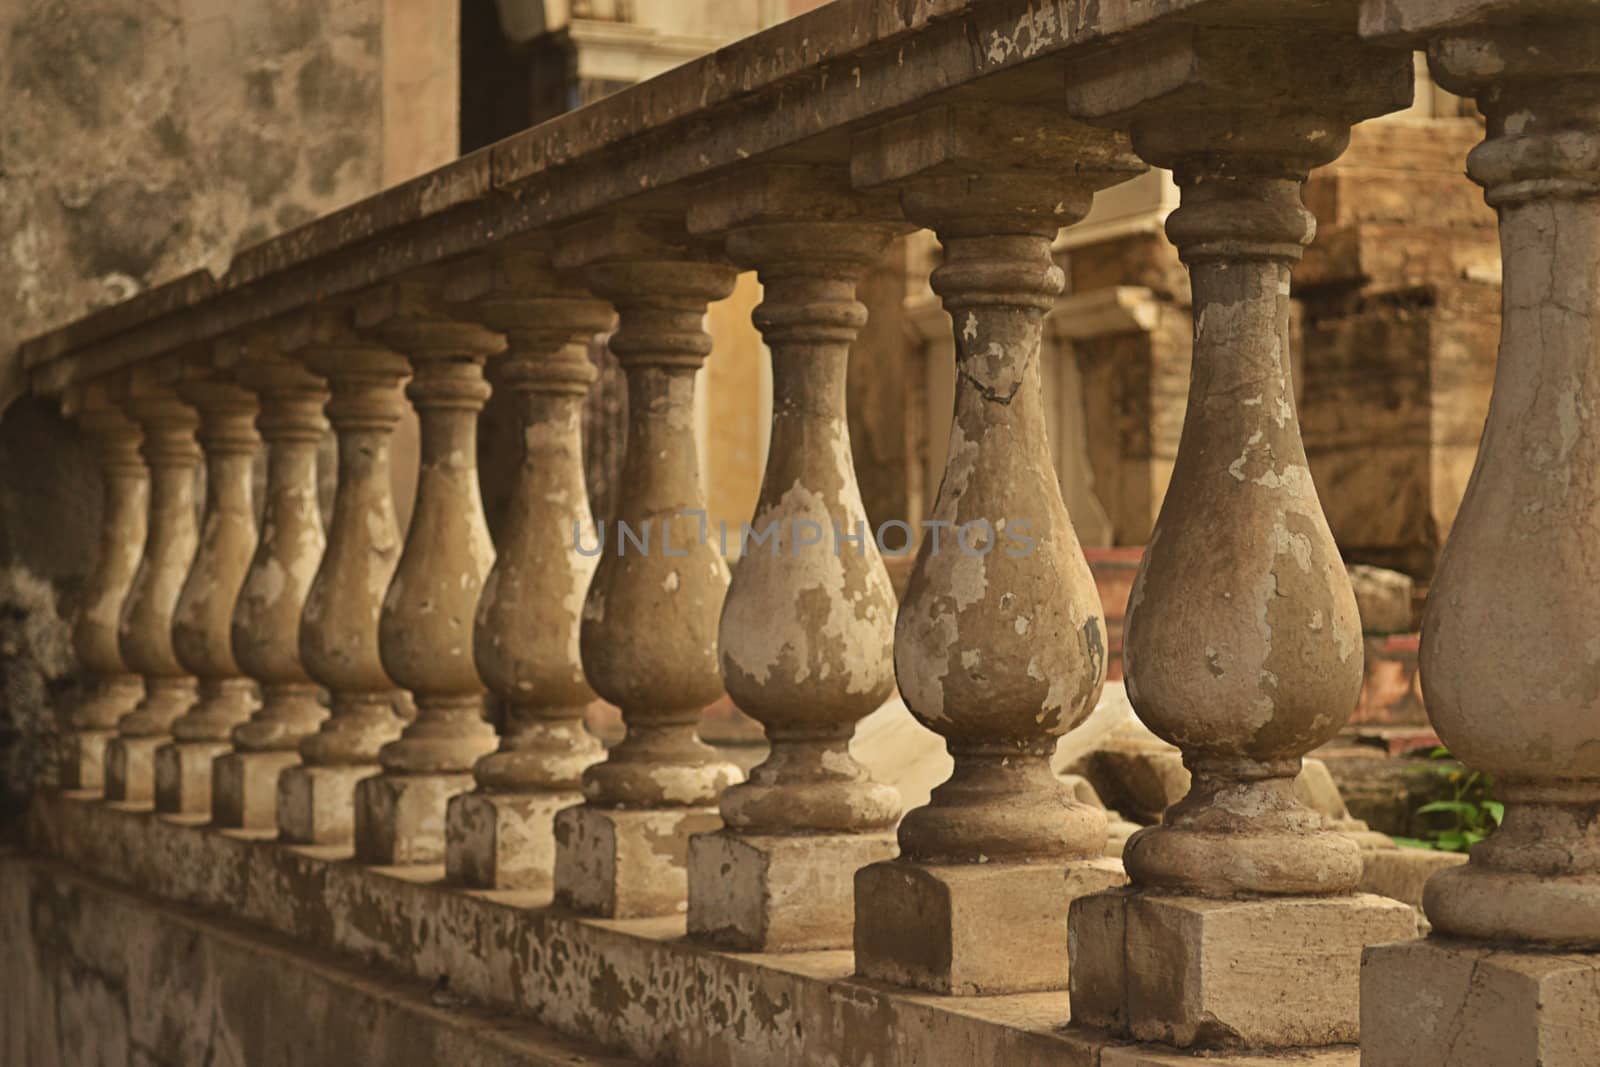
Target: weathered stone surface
316, 803
183, 776
626, 864
425, 627
1494, 623
648, 638
338, 640
1241, 974
117, 692
144, 631
399, 819
809, 676
972, 929
778, 893
1401, 873
526, 630
633, 985
1448, 1003
91, 979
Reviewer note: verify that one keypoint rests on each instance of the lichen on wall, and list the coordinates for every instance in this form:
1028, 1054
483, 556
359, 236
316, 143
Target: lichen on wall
143, 139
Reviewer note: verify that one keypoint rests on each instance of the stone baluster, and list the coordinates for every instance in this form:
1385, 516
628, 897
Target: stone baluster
1511, 633
339, 628
649, 632
144, 632
807, 629
201, 624
1243, 646
266, 620
126, 497
501, 835
425, 630
1000, 644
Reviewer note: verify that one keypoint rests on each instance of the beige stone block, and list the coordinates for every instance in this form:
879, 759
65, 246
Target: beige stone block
502, 841
83, 759
400, 818
768, 893
1400, 873
183, 776
971, 929
1227, 974
1383, 598
244, 788
131, 769
317, 805
1446, 1003
626, 864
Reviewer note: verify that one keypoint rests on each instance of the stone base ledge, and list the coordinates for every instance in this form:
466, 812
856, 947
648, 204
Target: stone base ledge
91, 978
635, 986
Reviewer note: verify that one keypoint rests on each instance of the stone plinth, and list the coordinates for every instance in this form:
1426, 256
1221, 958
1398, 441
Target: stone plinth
183, 776
130, 769
1256, 973
622, 864
778, 893
502, 841
244, 788
400, 818
316, 804
1449, 1003
972, 929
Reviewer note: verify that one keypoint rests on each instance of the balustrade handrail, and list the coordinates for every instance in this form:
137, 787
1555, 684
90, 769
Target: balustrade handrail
773, 95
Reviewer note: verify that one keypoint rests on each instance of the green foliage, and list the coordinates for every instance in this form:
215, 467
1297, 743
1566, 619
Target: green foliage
1466, 811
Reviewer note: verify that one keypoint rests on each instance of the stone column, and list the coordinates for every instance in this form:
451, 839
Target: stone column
1000, 646
339, 627
807, 629
266, 621
1511, 632
425, 630
649, 632
144, 632
200, 627
1243, 645
525, 640
126, 497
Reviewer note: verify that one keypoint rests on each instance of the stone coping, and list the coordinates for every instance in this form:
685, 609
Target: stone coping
790, 93
635, 986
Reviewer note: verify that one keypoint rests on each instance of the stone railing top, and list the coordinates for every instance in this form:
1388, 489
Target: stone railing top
784, 94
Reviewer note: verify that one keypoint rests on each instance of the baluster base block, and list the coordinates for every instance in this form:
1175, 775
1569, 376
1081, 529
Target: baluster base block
626, 864
400, 818
769, 893
503, 840
317, 805
83, 759
131, 769
1195, 972
183, 776
244, 788
971, 929
1449, 1003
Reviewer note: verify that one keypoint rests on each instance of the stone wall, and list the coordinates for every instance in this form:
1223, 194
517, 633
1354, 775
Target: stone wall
141, 140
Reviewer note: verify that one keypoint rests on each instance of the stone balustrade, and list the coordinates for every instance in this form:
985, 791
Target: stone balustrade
264, 672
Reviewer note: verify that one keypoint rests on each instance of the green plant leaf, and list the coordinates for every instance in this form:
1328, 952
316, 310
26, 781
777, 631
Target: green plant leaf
1413, 842
1496, 810
1459, 807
